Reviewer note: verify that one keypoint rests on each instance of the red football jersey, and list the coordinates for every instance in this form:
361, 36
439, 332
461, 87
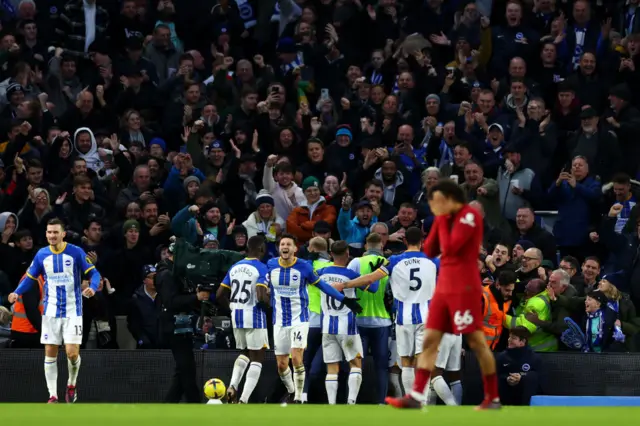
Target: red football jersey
457, 239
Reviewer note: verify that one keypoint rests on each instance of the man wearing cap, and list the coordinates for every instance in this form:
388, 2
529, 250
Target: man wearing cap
597, 143
144, 316
302, 219
493, 153
354, 231
625, 121
210, 241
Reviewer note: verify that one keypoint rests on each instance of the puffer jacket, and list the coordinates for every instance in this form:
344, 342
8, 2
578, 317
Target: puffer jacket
302, 219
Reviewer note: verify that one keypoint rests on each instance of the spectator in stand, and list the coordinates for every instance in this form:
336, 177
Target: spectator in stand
528, 229
519, 187
302, 219
576, 195
519, 369
144, 314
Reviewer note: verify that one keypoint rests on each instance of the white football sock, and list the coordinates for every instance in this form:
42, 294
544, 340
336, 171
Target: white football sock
432, 396
355, 380
298, 376
253, 375
394, 379
408, 376
331, 384
456, 390
443, 391
51, 375
74, 369
286, 378
239, 367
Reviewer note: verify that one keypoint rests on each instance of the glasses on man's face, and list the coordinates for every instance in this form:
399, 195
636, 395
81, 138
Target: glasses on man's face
529, 258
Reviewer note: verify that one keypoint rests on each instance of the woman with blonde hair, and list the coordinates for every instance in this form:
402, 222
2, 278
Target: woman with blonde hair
35, 214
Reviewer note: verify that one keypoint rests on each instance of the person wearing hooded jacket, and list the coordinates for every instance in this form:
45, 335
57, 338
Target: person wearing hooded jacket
86, 147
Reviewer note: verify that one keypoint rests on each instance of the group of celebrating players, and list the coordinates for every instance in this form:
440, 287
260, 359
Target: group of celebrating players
451, 308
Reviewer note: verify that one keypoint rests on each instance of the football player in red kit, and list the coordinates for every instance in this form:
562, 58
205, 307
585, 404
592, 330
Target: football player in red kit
456, 306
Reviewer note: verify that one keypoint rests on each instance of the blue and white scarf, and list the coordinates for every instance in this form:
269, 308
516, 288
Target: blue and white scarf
446, 154
581, 36
594, 331
296, 63
376, 77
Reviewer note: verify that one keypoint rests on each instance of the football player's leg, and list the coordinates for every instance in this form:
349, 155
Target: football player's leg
282, 347
258, 343
298, 345
438, 383
353, 353
51, 339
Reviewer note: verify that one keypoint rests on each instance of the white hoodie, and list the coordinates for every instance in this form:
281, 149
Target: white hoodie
92, 157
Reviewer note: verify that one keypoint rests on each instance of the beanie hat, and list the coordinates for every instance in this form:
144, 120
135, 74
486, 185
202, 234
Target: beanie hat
616, 278
160, 142
208, 206
525, 244
309, 182
599, 296
190, 179
621, 91
209, 238
433, 96
130, 224
13, 88
264, 198
343, 131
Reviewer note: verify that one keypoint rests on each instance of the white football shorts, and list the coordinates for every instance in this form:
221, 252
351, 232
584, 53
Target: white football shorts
287, 338
253, 339
335, 345
450, 352
409, 338
56, 331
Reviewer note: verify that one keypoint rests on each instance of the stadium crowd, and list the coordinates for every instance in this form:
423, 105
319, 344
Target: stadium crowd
213, 121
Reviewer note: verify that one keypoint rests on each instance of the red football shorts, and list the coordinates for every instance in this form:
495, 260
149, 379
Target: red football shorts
456, 313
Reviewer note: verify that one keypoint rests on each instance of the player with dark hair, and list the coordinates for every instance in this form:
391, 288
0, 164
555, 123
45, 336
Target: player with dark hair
288, 279
456, 306
245, 287
62, 266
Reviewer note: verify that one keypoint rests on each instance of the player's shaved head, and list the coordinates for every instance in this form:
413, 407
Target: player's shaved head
318, 245
413, 236
255, 246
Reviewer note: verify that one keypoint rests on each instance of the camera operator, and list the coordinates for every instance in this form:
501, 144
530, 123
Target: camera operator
180, 307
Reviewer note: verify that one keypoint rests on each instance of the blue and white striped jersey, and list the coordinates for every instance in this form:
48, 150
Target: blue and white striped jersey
413, 281
336, 317
289, 296
242, 279
62, 272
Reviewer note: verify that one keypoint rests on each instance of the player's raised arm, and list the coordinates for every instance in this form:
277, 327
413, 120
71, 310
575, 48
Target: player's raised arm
431, 245
370, 281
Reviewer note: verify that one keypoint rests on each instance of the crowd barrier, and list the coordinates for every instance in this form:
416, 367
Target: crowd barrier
140, 376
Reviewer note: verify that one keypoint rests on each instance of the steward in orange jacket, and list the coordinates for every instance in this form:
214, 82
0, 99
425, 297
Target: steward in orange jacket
496, 303
27, 317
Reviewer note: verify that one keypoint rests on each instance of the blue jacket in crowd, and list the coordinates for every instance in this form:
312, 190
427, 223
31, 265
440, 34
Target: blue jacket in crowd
351, 230
576, 208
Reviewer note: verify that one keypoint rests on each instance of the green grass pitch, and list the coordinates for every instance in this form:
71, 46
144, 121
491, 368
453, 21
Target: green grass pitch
307, 415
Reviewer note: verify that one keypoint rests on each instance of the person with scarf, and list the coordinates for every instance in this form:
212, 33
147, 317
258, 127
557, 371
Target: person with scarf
600, 329
265, 221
